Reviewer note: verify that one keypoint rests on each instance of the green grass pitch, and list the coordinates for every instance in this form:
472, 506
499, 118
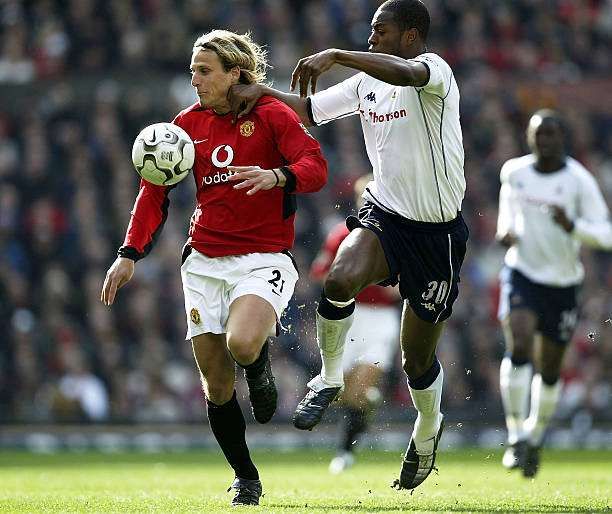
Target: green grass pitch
298, 482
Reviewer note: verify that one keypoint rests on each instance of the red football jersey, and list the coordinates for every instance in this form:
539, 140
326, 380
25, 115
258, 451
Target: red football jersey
226, 221
320, 267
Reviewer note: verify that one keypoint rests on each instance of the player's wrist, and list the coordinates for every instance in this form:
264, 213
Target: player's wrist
281, 179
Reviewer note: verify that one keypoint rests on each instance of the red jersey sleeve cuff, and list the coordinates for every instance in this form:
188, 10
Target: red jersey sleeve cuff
291, 180
129, 252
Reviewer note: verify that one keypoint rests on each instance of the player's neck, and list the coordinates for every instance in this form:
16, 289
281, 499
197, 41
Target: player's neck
549, 164
221, 109
413, 51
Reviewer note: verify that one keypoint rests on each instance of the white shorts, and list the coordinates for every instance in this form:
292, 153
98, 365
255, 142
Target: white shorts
373, 338
211, 284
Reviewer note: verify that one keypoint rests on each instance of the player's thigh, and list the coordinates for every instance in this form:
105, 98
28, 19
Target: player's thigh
360, 261
549, 357
216, 366
520, 326
251, 320
419, 340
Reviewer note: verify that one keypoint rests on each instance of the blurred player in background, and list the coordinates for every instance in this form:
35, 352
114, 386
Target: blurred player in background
238, 275
549, 205
372, 344
410, 229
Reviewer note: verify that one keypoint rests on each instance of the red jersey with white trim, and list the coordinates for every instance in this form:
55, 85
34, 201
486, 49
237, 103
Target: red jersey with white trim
226, 221
373, 295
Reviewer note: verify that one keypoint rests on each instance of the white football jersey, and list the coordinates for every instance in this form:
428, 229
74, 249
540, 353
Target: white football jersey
412, 136
545, 252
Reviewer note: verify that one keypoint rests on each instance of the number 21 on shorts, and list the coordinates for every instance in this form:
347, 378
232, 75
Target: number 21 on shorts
277, 282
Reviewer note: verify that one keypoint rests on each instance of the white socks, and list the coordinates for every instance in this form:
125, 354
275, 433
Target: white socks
331, 336
544, 399
427, 404
514, 384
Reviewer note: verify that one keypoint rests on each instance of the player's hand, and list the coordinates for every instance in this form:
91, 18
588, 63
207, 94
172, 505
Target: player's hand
508, 240
309, 68
243, 97
560, 218
117, 276
255, 178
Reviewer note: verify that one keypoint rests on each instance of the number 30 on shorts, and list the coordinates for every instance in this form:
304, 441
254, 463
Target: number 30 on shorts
277, 282
439, 289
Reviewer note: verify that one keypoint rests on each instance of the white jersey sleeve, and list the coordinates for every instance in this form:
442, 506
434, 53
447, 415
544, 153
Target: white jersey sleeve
337, 101
440, 74
592, 226
506, 218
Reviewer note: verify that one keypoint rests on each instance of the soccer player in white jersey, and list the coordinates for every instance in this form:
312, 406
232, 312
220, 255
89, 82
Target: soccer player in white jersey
549, 204
410, 229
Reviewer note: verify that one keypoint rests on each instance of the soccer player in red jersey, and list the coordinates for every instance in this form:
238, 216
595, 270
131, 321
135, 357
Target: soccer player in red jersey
238, 275
373, 341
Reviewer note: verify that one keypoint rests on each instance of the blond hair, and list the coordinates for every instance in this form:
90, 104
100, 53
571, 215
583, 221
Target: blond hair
236, 50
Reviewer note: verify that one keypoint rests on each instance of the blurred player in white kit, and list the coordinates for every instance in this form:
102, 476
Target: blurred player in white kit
549, 205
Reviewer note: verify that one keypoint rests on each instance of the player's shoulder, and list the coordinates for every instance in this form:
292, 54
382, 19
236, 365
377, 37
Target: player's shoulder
516, 165
433, 58
196, 107
269, 106
576, 168
186, 117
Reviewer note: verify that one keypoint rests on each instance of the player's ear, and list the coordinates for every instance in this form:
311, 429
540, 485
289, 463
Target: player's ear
235, 71
409, 36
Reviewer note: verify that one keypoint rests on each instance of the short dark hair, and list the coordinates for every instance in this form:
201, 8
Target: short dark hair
408, 14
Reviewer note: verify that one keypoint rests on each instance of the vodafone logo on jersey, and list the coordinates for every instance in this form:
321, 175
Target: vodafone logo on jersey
221, 157
225, 152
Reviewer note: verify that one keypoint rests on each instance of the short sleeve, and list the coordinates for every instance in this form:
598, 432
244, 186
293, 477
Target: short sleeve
337, 101
440, 74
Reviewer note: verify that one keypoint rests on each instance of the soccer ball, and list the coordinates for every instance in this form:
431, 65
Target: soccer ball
163, 154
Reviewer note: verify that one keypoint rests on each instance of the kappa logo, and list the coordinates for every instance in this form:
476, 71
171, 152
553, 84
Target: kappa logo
429, 306
371, 97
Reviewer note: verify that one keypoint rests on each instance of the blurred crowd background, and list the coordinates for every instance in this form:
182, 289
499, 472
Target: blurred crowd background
80, 78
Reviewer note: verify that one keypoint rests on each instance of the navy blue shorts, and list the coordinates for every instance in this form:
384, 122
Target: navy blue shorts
425, 258
555, 307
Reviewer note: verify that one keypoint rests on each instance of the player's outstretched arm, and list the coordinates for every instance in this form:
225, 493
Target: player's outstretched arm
117, 276
243, 97
388, 68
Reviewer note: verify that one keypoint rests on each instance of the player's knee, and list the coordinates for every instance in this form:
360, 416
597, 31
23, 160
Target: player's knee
522, 338
244, 348
340, 286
